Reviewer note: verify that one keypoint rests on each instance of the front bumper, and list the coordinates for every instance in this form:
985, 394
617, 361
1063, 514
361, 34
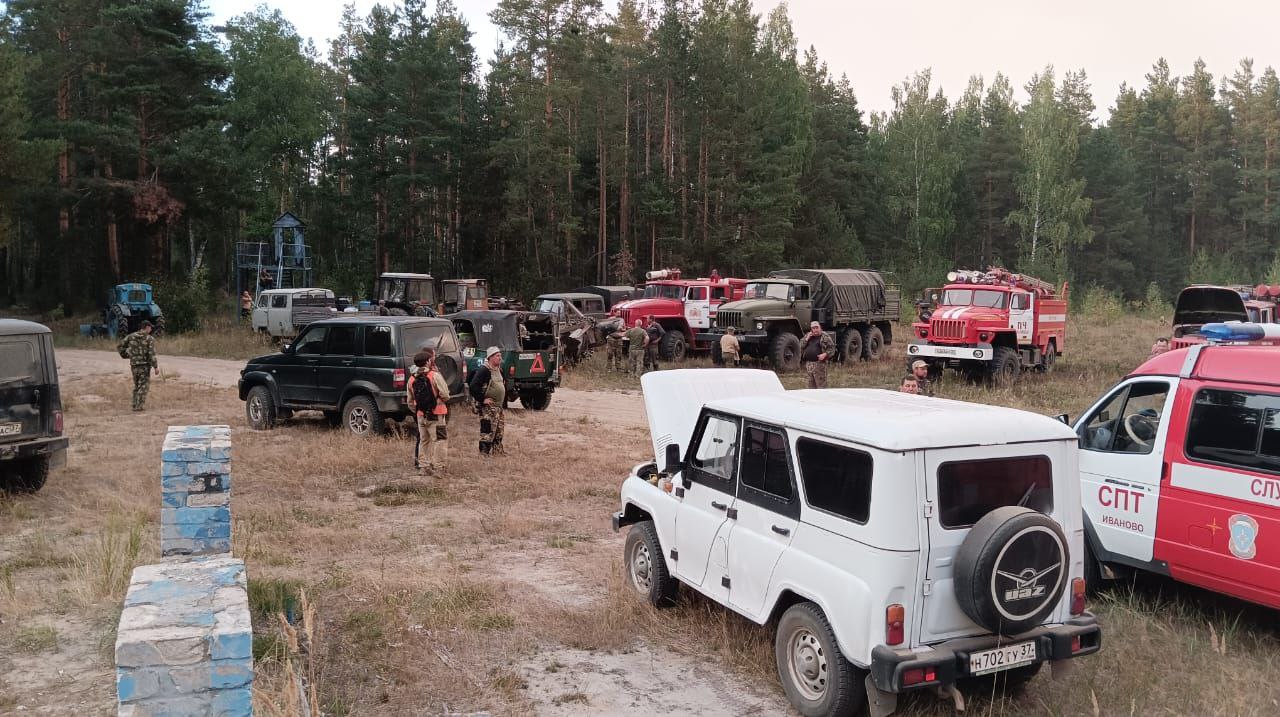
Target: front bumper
744, 337
981, 352
950, 660
55, 447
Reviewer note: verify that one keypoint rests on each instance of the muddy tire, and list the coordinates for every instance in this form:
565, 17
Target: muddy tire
535, 399
816, 677
646, 568
1049, 360
26, 475
1006, 367
672, 346
121, 323
784, 353
360, 416
849, 346
872, 343
157, 326
260, 409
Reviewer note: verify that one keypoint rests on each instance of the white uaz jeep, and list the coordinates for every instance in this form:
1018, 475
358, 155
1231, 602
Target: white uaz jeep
896, 542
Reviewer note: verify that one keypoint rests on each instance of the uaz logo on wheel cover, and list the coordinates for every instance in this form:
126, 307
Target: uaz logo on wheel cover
1028, 571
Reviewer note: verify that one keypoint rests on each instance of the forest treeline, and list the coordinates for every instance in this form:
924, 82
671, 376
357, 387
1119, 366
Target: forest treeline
138, 140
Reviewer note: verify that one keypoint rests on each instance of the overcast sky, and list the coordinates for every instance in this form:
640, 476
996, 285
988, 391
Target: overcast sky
878, 44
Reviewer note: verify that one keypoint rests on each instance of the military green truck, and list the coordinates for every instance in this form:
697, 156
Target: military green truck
530, 352
857, 306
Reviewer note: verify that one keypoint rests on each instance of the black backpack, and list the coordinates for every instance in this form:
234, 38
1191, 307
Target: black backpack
424, 395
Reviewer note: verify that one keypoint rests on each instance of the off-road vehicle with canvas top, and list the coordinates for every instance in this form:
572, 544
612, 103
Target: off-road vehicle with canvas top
888, 558
31, 438
775, 312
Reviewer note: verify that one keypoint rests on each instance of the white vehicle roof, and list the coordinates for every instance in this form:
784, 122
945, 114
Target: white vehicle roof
894, 421
300, 290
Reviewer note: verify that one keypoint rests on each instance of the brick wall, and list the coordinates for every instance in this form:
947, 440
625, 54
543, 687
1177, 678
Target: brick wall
195, 480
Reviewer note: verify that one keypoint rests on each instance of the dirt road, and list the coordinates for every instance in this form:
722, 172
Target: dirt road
623, 409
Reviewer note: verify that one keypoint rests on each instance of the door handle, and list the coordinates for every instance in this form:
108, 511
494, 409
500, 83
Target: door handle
781, 531
719, 506
348, 362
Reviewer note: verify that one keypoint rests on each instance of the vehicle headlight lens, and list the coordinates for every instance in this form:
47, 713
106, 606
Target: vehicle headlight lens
759, 325
924, 333
984, 336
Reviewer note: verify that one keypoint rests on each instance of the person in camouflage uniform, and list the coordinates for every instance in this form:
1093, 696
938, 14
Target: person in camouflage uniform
920, 369
613, 348
816, 350
490, 393
140, 348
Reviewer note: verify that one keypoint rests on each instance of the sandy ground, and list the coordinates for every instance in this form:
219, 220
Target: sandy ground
622, 409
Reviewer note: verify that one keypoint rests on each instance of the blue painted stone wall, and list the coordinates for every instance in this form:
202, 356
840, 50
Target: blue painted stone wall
195, 481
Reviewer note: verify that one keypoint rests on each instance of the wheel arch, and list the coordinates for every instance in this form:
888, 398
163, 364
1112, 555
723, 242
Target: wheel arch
790, 595
259, 378
358, 388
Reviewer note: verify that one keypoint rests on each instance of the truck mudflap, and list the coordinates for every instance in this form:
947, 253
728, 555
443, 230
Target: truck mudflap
981, 352
942, 664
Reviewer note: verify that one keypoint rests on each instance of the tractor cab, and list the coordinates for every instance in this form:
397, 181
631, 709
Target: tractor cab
128, 305
407, 294
463, 295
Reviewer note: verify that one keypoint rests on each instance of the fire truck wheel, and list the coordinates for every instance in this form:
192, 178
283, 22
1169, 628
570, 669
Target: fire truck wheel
1005, 367
849, 345
1011, 570
672, 346
1050, 358
872, 343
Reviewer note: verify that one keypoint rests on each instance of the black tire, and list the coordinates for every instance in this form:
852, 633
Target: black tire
1011, 570
1092, 570
1008, 683
26, 475
1050, 359
360, 416
717, 356
849, 346
646, 567
260, 409
157, 326
672, 346
784, 353
334, 418
121, 323
872, 343
535, 399
1006, 367
816, 677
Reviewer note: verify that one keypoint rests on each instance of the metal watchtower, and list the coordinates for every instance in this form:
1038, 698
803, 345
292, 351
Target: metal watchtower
282, 263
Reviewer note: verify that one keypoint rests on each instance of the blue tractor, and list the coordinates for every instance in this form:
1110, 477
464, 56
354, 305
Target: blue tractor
128, 305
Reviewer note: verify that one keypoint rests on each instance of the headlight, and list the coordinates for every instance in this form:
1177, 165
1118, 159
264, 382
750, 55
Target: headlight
759, 325
984, 336
924, 333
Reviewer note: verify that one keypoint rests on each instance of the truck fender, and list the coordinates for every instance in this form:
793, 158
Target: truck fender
640, 498
124, 309
358, 387
785, 593
259, 378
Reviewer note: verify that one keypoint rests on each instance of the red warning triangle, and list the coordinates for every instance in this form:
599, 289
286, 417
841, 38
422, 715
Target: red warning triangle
537, 366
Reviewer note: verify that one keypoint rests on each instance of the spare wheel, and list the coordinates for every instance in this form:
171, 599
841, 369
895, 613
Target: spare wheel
1011, 569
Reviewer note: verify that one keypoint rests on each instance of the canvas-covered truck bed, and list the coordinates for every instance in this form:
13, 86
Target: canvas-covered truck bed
849, 294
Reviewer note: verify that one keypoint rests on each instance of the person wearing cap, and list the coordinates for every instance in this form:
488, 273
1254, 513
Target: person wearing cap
140, 348
637, 340
730, 349
656, 332
489, 390
920, 369
816, 350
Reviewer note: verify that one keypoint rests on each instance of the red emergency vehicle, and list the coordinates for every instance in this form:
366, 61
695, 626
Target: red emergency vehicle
993, 324
1201, 304
683, 307
1180, 471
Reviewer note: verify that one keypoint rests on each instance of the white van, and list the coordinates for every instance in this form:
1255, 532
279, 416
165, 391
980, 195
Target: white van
282, 313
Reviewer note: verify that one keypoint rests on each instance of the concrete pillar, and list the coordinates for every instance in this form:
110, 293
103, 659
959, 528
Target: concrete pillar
195, 483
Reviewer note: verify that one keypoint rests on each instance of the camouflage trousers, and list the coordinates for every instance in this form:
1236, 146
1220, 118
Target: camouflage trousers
635, 361
141, 384
617, 360
492, 421
817, 371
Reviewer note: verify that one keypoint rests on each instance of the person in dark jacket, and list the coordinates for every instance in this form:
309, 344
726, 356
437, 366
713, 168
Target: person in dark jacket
490, 393
656, 332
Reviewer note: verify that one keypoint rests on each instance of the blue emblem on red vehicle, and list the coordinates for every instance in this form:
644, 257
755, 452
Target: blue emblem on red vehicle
1243, 532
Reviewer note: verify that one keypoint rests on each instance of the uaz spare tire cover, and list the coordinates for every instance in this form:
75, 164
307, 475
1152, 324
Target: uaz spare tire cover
1011, 569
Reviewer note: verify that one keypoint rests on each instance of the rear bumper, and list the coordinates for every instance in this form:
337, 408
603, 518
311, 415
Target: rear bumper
55, 447
950, 660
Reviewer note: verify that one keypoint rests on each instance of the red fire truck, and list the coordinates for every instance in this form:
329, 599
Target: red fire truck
682, 306
993, 324
1201, 304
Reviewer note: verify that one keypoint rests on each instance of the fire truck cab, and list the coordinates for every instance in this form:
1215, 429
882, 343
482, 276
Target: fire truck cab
1201, 304
992, 324
1180, 472
683, 307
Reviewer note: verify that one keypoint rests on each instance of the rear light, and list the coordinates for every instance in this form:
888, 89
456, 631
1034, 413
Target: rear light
1077, 596
919, 675
397, 378
57, 422
1075, 644
894, 621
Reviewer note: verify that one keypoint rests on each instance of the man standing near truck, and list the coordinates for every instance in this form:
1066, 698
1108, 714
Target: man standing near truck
489, 391
636, 337
816, 349
730, 348
656, 333
140, 348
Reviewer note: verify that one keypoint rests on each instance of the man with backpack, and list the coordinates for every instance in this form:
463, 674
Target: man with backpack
428, 393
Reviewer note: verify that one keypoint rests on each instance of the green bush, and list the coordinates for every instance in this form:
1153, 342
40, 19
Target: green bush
183, 301
1100, 303
1155, 304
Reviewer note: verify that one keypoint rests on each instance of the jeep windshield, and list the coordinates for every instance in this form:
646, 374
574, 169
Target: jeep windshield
548, 306
762, 290
18, 365
985, 298
664, 291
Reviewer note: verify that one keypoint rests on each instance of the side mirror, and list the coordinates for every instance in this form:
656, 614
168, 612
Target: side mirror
673, 464
1064, 418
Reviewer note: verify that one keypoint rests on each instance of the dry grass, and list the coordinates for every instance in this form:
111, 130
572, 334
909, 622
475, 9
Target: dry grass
220, 338
430, 595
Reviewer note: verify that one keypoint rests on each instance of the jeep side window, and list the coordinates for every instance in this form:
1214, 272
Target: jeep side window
279, 301
342, 341
968, 490
764, 463
1235, 428
262, 301
312, 342
377, 340
717, 451
1128, 422
836, 479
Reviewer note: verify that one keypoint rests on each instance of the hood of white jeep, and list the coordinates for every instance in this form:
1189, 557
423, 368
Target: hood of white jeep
673, 399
